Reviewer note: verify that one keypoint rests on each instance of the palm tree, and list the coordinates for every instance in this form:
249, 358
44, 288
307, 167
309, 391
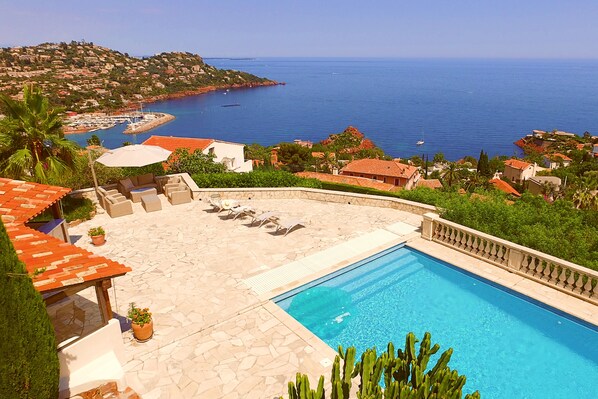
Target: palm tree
451, 175
32, 144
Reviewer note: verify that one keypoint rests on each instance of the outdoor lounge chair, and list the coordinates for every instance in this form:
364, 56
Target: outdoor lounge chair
264, 218
222, 205
288, 225
241, 210
178, 193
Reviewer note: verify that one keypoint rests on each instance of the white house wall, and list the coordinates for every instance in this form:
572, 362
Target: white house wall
232, 151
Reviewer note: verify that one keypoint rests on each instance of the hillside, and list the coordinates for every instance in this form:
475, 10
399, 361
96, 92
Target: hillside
81, 76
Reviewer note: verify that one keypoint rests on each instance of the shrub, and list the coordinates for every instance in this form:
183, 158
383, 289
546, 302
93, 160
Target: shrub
29, 367
73, 208
274, 178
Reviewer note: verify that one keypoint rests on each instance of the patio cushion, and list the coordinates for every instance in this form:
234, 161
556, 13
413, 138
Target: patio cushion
127, 184
148, 178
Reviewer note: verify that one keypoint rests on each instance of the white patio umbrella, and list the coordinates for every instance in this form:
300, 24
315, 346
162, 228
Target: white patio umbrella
134, 156
131, 156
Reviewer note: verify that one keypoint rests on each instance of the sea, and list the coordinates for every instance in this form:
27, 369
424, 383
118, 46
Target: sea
456, 106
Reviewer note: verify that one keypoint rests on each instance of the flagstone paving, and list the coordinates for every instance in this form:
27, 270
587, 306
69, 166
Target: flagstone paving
214, 336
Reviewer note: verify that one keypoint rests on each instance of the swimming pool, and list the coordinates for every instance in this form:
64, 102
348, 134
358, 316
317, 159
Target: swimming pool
508, 345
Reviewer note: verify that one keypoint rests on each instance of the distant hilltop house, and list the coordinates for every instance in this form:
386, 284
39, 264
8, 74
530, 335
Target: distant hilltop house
391, 172
519, 171
536, 185
230, 154
504, 187
556, 160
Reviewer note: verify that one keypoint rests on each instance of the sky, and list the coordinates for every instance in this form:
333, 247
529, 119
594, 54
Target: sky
313, 28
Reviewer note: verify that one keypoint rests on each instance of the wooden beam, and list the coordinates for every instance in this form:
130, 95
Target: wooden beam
104, 299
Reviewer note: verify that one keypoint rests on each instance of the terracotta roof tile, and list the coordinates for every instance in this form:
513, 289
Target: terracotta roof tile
65, 264
172, 143
430, 183
504, 186
354, 181
21, 201
558, 155
517, 164
380, 167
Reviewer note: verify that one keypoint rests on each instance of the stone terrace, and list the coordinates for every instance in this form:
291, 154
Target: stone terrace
214, 337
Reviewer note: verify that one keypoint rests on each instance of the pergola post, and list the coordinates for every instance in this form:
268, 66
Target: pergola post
104, 299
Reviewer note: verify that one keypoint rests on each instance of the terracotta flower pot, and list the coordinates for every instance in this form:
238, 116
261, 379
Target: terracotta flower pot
143, 333
98, 240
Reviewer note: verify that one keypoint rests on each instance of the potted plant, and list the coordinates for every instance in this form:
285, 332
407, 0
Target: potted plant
141, 323
98, 235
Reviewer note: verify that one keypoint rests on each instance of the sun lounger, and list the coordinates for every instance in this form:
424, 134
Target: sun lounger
288, 225
264, 218
220, 205
241, 210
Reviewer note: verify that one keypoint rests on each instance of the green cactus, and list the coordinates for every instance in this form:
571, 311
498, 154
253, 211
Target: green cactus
405, 375
301, 390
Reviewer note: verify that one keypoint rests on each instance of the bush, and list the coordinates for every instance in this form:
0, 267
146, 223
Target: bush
29, 367
73, 208
256, 178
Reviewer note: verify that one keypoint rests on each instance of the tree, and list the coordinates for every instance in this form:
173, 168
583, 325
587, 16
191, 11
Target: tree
451, 175
484, 165
438, 158
94, 140
293, 157
32, 144
183, 161
29, 366
405, 375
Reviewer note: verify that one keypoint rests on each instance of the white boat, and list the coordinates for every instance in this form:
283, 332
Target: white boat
421, 142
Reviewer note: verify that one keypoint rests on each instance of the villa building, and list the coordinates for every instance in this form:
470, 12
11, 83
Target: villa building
519, 171
536, 185
391, 172
230, 154
556, 160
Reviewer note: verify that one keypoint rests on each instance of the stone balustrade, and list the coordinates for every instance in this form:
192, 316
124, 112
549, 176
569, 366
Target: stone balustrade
557, 273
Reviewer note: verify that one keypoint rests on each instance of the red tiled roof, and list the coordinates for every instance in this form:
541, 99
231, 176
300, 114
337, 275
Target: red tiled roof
504, 186
65, 263
352, 180
379, 167
21, 201
517, 164
430, 183
559, 155
172, 143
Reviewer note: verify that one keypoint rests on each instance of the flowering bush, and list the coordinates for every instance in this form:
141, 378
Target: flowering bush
138, 315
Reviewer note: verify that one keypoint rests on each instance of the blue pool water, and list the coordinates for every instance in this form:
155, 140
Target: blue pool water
508, 346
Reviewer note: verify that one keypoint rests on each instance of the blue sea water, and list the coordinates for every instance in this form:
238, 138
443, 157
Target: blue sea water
507, 345
458, 106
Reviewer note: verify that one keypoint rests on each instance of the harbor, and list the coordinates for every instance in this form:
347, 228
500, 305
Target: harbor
137, 122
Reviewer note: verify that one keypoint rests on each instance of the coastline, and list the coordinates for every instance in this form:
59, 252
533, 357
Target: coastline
143, 127
163, 118
202, 90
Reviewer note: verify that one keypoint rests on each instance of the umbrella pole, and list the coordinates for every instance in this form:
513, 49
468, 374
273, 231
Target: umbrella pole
93, 174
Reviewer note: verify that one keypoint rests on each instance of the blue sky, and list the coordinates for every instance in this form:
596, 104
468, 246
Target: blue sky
385, 28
